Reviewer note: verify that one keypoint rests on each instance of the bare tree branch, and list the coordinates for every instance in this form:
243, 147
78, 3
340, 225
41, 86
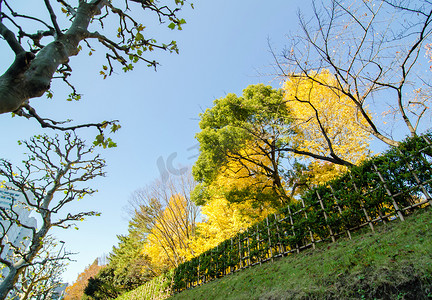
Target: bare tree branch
373, 50
48, 181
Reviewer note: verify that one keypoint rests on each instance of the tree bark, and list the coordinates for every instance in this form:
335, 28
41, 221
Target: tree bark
30, 75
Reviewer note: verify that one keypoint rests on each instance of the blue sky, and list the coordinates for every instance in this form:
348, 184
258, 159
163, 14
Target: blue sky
223, 49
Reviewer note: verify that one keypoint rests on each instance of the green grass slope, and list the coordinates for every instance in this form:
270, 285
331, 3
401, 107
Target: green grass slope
395, 262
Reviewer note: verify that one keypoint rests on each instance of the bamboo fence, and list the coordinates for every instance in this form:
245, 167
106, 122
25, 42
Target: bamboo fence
380, 190
158, 288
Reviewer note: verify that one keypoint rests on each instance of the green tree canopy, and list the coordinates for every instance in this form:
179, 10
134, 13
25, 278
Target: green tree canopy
240, 142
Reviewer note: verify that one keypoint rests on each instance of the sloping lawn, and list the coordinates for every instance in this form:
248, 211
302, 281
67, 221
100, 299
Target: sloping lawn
395, 262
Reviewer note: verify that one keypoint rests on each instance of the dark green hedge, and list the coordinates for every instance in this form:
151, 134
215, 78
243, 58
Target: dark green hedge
365, 195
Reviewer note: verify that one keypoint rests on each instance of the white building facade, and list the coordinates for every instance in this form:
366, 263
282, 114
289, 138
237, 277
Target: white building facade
10, 232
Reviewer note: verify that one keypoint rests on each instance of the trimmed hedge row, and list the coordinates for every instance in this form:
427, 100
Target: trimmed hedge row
380, 189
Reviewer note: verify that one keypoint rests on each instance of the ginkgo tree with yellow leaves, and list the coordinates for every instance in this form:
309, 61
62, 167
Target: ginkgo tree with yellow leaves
167, 242
250, 146
163, 221
223, 220
165, 214
325, 123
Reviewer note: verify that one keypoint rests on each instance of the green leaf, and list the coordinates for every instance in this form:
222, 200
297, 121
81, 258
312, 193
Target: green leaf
115, 127
49, 94
171, 26
139, 37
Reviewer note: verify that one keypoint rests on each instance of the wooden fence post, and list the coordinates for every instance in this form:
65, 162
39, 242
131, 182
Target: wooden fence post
269, 239
396, 207
368, 219
339, 209
310, 231
325, 217
419, 183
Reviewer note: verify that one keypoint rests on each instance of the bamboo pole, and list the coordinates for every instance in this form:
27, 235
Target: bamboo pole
258, 244
199, 271
269, 239
412, 171
396, 207
310, 231
248, 248
231, 267
292, 227
217, 260
339, 209
325, 216
281, 246
368, 219
240, 254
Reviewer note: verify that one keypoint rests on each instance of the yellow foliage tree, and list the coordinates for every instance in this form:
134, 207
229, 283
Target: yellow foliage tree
254, 176
167, 243
165, 218
222, 221
326, 125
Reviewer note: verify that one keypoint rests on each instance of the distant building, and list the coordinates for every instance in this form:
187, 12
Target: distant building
16, 235
59, 292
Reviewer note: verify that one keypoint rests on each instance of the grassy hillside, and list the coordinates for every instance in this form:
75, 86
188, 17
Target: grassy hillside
393, 263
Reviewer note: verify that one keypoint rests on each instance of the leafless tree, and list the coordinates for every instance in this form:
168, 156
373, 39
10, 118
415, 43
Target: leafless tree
50, 178
43, 45
375, 51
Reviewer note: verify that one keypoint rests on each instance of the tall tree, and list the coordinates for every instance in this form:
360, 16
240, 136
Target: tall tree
44, 45
241, 139
50, 179
374, 52
163, 222
166, 214
130, 265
